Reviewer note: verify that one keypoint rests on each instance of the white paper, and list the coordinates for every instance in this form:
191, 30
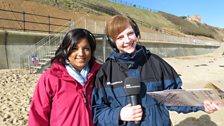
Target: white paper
218, 86
190, 97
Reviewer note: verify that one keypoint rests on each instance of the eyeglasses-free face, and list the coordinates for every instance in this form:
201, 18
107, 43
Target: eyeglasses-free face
81, 54
126, 40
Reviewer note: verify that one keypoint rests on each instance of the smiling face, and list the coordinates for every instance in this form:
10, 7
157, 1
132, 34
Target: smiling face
81, 54
126, 40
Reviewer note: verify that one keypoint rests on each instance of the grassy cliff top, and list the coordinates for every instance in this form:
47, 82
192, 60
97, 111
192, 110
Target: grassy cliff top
150, 21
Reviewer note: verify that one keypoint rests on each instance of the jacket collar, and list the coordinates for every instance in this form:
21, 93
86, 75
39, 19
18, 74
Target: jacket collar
61, 72
135, 59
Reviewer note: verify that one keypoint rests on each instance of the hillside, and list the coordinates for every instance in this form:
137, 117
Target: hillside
101, 10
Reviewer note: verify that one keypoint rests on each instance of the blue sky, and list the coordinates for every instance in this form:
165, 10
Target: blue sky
211, 11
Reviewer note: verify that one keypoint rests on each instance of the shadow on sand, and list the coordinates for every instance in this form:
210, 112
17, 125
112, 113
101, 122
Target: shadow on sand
203, 120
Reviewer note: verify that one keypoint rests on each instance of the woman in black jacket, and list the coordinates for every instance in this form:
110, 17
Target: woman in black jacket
111, 105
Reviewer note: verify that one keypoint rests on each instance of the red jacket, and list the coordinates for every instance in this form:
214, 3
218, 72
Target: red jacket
59, 100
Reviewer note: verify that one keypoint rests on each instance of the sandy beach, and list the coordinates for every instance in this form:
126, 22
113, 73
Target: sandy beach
17, 86
196, 72
16, 90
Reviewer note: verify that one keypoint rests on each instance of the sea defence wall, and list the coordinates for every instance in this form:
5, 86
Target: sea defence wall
14, 43
165, 49
170, 49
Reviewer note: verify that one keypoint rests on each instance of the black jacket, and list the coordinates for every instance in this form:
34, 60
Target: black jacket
155, 75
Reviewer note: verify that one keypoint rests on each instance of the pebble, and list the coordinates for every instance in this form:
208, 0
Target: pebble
16, 90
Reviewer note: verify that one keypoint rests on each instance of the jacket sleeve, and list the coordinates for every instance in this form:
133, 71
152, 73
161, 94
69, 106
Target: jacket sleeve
173, 81
103, 113
39, 114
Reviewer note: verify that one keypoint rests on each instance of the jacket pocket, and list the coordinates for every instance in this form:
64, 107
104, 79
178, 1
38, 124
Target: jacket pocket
117, 97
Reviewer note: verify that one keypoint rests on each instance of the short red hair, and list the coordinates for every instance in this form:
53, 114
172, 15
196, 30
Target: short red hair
116, 25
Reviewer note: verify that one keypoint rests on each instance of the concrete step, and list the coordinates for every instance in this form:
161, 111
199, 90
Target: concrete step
52, 52
41, 63
50, 55
45, 59
35, 67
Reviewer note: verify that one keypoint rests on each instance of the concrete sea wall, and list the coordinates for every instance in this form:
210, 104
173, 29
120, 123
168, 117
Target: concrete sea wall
13, 44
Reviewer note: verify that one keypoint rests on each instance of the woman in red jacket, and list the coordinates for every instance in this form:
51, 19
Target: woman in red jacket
63, 93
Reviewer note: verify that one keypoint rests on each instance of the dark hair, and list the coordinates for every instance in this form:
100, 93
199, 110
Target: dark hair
70, 41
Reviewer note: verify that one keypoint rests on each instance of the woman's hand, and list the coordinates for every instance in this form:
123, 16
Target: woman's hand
211, 106
131, 113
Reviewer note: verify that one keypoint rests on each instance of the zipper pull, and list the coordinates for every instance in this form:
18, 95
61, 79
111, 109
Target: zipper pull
85, 98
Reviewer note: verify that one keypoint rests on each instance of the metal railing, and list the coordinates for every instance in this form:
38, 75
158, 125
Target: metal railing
48, 44
126, 2
154, 37
24, 21
42, 48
